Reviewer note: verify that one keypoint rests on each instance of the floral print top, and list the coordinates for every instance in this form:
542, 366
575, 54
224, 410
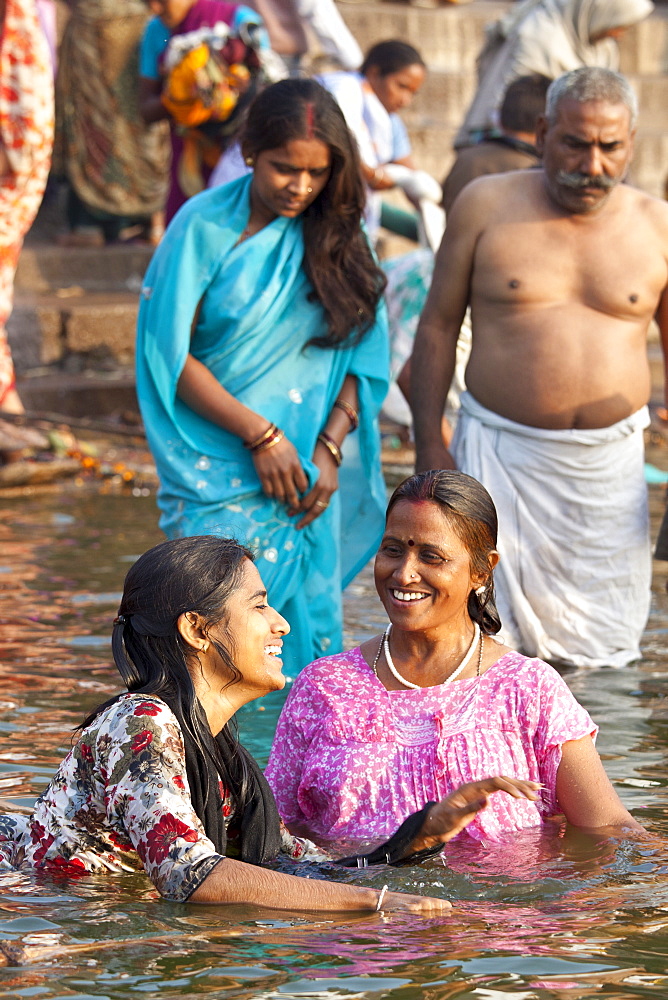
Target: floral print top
351, 760
120, 801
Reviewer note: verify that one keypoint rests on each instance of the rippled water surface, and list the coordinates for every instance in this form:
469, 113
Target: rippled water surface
555, 916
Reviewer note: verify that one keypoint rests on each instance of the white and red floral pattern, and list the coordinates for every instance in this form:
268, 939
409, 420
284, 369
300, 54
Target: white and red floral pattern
120, 801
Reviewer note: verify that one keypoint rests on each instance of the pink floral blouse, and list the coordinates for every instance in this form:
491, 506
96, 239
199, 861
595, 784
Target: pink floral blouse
351, 760
120, 801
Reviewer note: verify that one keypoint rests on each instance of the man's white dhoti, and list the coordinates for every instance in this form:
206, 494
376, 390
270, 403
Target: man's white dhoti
573, 581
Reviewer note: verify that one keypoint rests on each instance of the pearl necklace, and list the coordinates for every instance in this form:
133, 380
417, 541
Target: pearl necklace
385, 647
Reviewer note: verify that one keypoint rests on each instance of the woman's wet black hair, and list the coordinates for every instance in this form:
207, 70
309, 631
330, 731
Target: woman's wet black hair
337, 257
197, 574
391, 56
470, 510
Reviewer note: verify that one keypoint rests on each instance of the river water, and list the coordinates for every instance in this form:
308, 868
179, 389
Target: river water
557, 916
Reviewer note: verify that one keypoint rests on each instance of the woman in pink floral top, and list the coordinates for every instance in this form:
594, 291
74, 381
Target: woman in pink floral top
370, 735
156, 779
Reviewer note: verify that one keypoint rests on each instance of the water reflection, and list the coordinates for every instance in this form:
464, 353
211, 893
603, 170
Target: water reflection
552, 914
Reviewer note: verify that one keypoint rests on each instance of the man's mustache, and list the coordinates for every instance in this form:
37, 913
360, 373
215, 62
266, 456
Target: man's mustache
577, 181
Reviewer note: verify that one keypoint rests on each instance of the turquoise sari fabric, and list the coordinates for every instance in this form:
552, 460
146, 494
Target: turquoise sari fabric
254, 321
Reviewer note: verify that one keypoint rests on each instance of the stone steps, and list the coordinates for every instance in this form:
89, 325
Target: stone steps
48, 268
84, 395
450, 36
99, 327
76, 307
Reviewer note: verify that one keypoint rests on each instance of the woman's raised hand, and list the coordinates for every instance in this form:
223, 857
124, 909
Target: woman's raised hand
281, 474
449, 816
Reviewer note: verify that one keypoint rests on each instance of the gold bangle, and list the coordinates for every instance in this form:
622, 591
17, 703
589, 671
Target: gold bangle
350, 412
252, 445
266, 445
332, 447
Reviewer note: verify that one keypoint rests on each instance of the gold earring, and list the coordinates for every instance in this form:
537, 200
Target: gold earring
249, 161
205, 647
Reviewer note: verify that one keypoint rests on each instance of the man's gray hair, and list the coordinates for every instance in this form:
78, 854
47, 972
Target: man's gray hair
591, 83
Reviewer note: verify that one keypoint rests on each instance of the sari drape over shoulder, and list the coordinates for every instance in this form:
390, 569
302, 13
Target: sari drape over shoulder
254, 322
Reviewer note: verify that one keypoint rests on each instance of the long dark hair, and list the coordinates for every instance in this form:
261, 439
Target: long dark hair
337, 257
197, 574
470, 510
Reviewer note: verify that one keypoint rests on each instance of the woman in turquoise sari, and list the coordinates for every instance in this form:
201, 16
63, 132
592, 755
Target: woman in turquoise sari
262, 363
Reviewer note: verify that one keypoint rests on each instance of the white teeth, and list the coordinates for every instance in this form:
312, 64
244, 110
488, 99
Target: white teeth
273, 650
408, 595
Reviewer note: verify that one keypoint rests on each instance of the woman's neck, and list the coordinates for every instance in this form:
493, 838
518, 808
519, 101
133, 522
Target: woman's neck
260, 216
428, 658
217, 708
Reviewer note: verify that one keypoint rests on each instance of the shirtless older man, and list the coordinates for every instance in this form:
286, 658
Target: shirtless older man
564, 268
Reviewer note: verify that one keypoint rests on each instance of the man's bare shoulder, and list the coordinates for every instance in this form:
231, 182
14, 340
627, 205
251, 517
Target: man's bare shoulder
654, 210
491, 195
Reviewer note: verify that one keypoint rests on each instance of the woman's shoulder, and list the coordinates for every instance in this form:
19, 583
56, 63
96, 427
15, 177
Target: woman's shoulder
520, 669
329, 671
133, 706
348, 91
206, 205
341, 83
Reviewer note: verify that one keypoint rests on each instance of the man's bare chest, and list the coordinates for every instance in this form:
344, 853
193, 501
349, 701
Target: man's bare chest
614, 271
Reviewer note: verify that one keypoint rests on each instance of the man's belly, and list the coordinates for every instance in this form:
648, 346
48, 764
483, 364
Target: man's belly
559, 386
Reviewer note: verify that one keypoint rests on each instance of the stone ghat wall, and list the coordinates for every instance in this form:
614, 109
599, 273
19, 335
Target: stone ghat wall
449, 38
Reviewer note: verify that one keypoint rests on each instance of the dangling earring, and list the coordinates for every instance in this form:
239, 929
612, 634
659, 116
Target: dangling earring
249, 161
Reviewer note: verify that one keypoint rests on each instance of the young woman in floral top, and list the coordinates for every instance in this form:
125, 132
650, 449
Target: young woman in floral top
149, 784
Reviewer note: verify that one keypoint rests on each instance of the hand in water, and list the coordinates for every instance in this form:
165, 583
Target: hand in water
449, 816
404, 902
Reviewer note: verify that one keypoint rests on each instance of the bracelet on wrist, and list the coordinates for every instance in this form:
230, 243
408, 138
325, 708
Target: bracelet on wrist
332, 447
270, 431
350, 412
277, 436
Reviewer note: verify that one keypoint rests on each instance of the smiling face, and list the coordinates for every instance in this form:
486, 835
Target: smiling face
288, 179
423, 570
586, 153
396, 90
257, 631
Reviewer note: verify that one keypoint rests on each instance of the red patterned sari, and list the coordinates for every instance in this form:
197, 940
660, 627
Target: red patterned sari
26, 139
